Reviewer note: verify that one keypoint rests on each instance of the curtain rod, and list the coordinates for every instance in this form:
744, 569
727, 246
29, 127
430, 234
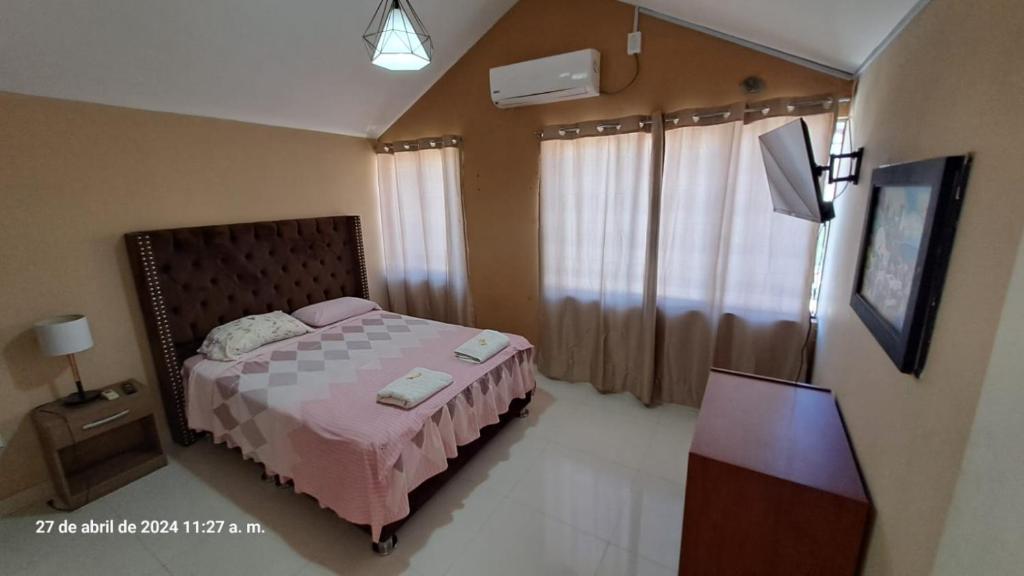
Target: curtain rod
644, 122
421, 144
824, 102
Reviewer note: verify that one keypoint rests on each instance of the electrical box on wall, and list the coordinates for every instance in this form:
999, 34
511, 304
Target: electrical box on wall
634, 43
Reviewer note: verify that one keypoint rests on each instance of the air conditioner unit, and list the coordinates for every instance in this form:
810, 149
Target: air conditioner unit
566, 76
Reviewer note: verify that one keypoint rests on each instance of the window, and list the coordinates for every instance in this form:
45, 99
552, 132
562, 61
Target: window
722, 248
423, 232
595, 210
829, 192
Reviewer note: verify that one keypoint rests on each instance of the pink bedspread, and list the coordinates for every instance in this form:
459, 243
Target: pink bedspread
306, 408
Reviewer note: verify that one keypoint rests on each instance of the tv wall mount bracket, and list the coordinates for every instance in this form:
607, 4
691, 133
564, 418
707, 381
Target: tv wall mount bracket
833, 163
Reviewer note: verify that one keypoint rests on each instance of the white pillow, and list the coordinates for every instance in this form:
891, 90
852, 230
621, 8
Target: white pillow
230, 341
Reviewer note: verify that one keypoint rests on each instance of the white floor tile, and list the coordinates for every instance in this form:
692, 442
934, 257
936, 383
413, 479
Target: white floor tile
506, 458
652, 525
667, 455
546, 414
577, 488
670, 413
518, 540
236, 555
314, 569
338, 548
435, 536
609, 434
622, 403
619, 562
573, 392
24, 551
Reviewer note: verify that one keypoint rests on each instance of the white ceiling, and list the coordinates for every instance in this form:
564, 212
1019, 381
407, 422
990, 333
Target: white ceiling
840, 34
297, 63
302, 63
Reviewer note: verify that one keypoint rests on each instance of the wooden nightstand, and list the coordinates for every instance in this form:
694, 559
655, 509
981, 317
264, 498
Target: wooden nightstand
95, 448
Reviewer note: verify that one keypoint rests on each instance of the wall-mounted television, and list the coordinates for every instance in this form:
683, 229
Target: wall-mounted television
794, 177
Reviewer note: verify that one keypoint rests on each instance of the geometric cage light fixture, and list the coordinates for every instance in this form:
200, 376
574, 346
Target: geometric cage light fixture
396, 38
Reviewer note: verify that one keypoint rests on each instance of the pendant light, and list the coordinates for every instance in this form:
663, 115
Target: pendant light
396, 38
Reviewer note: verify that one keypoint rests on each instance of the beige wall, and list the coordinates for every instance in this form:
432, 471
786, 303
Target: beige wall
986, 520
949, 84
679, 68
75, 177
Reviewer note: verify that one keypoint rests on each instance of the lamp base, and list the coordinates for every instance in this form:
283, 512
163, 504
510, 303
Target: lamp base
84, 397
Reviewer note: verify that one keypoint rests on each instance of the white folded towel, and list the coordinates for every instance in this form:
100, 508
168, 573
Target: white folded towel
481, 347
415, 387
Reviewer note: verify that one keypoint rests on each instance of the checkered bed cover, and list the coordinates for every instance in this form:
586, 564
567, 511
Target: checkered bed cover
306, 408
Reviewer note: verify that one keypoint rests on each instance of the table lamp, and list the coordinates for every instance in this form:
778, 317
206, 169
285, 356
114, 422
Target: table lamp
64, 336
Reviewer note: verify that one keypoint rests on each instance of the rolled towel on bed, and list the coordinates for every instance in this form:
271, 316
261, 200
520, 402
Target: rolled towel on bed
415, 387
482, 347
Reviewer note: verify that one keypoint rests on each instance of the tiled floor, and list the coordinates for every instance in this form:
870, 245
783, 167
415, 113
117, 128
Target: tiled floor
587, 484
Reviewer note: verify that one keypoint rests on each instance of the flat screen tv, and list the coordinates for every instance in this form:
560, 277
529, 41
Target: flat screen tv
794, 178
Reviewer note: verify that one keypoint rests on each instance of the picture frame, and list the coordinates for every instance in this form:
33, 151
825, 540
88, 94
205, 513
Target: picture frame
905, 249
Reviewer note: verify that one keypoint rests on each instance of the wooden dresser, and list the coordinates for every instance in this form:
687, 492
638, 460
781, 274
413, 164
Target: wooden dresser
773, 485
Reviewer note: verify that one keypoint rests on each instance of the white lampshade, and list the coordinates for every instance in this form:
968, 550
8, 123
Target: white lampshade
396, 37
62, 335
399, 47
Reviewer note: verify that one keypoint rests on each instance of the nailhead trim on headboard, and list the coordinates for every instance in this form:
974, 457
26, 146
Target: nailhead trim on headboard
362, 259
170, 371
190, 280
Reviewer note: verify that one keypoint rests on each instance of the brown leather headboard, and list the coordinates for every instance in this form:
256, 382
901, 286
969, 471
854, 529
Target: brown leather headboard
190, 280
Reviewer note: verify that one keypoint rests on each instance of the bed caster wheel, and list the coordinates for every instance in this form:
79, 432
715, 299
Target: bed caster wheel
387, 546
523, 413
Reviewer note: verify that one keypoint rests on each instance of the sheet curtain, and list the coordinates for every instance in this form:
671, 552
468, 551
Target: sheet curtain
424, 233
735, 278
713, 277
595, 229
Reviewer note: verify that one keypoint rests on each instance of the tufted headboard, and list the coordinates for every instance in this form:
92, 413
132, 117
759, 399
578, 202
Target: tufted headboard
190, 280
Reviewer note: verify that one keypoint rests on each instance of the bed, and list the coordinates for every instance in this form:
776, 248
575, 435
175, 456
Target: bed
305, 407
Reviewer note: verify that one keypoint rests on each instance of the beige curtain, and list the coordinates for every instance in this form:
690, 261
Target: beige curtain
423, 230
661, 259
595, 256
734, 277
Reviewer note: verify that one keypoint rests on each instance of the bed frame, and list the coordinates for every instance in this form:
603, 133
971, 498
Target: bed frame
190, 280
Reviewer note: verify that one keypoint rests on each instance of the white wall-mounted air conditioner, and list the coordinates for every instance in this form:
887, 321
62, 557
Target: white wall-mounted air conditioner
566, 76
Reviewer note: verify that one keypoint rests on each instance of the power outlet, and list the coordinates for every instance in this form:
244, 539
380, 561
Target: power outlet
634, 43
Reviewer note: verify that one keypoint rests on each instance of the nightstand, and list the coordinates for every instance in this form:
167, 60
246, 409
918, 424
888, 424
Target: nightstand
93, 449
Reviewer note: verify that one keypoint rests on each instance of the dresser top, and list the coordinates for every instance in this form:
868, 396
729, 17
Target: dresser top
792, 432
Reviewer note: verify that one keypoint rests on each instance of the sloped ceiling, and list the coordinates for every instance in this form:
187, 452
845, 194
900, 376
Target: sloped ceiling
302, 63
296, 63
839, 34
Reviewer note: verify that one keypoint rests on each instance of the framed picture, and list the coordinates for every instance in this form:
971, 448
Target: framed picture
905, 250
